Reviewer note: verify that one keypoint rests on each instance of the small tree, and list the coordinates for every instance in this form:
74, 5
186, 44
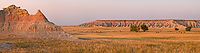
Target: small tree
188, 28
134, 28
144, 27
176, 29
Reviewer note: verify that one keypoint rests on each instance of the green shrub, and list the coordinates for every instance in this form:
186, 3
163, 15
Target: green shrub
176, 29
188, 28
144, 27
134, 28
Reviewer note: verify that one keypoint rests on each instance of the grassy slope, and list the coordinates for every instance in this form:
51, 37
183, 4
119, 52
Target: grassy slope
109, 39
122, 32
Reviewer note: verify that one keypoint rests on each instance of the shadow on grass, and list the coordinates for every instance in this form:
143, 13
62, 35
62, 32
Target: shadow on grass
85, 38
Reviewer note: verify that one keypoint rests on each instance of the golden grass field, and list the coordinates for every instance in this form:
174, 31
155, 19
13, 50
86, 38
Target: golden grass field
111, 40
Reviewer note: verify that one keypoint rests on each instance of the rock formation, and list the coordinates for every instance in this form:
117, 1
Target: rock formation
16, 21
150, 23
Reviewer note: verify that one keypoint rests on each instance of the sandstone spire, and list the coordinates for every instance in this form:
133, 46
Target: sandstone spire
41, 16
12, 6
39, 13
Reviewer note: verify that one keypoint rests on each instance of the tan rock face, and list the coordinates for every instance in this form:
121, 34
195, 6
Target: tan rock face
16, 21
149, 23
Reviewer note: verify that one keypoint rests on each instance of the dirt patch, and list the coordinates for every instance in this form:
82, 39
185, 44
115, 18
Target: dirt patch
4, 46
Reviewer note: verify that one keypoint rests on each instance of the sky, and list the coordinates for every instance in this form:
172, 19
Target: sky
74, 12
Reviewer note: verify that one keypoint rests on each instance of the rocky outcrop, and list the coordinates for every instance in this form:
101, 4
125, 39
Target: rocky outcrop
150, 23
16, 21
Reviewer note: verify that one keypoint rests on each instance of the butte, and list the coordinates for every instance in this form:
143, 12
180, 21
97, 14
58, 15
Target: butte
17, 21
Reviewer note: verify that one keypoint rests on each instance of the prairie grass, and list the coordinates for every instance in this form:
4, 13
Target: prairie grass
111, 40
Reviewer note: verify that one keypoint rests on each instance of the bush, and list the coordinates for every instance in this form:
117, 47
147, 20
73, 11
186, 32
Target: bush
144, 27
176, 29
134, 28
188, 28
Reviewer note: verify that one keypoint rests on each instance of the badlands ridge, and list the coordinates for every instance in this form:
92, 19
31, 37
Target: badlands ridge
150, 23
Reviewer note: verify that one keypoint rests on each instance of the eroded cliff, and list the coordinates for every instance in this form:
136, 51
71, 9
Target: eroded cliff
16, 21
150, 23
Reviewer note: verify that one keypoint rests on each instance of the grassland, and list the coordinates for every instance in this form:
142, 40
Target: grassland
111, 40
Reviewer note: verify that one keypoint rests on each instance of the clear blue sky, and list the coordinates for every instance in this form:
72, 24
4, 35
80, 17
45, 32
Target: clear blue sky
74, 12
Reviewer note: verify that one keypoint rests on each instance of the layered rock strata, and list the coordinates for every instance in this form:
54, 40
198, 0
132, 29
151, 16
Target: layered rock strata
16, 21
150, 23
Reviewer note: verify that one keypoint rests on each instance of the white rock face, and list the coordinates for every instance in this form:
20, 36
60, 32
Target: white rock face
149, 23
16, 21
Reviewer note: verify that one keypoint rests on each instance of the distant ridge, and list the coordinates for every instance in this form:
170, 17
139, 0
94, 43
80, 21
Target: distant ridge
168, 23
